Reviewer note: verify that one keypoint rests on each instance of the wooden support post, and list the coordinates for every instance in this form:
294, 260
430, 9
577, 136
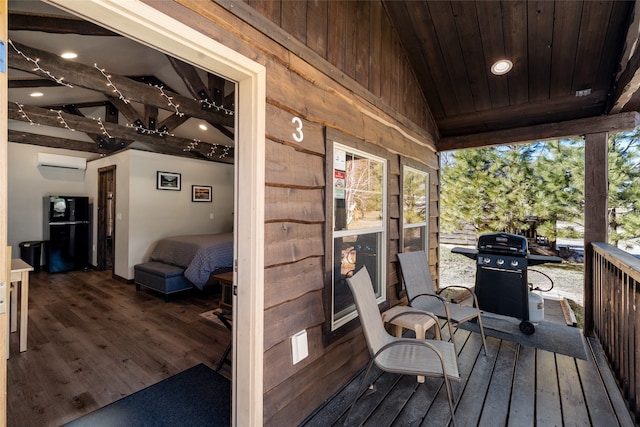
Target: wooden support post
595, 213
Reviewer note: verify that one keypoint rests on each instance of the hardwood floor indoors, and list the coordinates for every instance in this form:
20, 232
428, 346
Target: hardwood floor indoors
93, 340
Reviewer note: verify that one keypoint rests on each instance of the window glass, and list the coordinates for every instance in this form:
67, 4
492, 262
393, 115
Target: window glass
359, 193
415, 209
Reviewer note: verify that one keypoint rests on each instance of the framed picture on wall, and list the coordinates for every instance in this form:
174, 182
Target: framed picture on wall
169, 181
201, 193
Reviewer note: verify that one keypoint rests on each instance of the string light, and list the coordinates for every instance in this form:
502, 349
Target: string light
224, 153
103, 129
37, 68
170, 102
208, 105
192, 145
111, 84
143, 130
24, 114
62, 120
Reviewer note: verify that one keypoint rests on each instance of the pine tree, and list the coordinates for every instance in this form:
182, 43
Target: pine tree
624, 186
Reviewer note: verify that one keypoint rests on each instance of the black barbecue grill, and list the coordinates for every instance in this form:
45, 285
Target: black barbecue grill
502, 285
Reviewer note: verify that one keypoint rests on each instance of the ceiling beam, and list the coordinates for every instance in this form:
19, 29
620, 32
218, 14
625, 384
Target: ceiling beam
19, 20
199, 90
88, 77
628, 79
22, 83
45, 117
54, 142
190, 77
612, 123
100, 139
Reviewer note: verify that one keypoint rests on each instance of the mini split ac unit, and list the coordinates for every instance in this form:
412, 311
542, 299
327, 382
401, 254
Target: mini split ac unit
58, 161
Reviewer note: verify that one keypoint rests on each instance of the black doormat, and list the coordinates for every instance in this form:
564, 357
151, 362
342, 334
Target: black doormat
197, 397
548, 336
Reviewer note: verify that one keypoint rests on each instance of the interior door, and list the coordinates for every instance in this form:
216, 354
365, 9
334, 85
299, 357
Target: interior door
106, 212
4, 259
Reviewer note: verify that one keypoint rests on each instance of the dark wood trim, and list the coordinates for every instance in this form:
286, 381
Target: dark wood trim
591, 125
54, 142
55, 24
628, 83
595, 213
105, 244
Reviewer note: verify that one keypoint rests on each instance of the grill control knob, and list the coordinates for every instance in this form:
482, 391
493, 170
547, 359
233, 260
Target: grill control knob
486, 260
500, 261
514, 263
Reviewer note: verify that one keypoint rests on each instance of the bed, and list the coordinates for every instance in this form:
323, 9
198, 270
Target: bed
199, 254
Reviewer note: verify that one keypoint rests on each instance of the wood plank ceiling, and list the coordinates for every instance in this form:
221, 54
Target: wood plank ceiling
572, 61
568, 61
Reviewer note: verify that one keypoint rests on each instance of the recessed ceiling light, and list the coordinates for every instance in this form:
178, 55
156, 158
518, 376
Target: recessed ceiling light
69, 55
501, 67
36, 94
203, 127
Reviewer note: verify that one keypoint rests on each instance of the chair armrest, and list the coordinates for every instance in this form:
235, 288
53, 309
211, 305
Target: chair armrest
444, 301
473, 294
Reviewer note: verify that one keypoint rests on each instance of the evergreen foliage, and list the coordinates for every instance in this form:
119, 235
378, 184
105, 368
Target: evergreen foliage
503, 188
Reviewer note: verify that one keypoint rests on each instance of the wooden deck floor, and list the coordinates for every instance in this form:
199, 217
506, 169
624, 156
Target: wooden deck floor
512, 385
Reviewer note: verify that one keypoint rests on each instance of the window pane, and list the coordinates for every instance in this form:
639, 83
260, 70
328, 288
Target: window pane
415, 197
358, 193
414, 239
351, 254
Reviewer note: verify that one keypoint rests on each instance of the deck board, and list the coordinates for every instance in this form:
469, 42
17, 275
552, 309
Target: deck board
389, 409
512, 385
470, 403
522, 410
548, 408
574, 409
496, 403
609, 382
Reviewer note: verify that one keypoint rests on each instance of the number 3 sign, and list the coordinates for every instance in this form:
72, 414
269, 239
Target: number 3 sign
298, 136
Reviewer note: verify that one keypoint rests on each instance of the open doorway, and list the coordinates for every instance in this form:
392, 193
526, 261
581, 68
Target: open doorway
143, 23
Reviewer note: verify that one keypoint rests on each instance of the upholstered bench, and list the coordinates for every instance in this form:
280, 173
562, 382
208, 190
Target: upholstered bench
164, 278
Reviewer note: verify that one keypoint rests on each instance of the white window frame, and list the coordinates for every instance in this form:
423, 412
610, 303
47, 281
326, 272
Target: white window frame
381, 230
424, 224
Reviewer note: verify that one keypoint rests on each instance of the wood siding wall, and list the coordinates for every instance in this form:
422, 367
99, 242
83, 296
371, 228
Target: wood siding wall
333, 64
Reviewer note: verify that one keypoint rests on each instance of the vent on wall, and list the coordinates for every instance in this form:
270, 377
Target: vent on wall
58, 161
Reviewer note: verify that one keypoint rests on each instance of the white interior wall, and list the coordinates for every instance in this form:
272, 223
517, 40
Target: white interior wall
144, 214
28, 184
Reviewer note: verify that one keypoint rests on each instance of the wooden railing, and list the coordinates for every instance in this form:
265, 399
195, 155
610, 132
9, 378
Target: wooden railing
616, 316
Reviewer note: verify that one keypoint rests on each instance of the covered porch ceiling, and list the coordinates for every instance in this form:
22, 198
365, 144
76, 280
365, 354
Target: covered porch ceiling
575, 71
575, 66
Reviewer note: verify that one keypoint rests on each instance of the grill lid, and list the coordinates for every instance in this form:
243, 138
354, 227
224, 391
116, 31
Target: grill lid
503, 243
